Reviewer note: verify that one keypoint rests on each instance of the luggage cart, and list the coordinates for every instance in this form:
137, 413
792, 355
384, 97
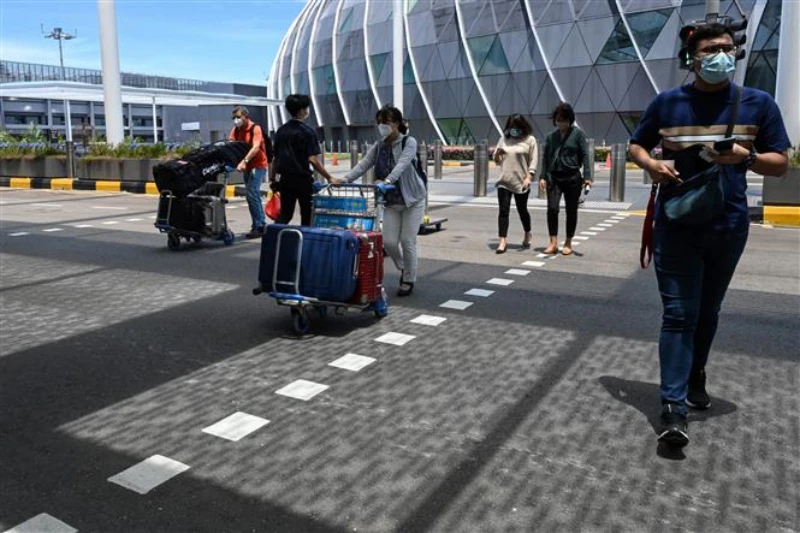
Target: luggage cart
343, 207
199, 215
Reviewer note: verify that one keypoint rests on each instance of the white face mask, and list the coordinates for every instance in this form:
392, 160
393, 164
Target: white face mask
238, 122
384, 130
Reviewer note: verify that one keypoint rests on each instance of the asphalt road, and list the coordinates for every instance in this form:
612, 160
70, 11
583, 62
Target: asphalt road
532, 409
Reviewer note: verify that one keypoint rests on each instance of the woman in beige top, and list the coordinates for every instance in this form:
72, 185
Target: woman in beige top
517, 153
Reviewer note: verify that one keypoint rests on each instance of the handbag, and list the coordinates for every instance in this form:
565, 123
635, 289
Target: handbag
701, 197
273, 206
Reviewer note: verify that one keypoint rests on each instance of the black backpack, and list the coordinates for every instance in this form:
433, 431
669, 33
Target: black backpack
423, 175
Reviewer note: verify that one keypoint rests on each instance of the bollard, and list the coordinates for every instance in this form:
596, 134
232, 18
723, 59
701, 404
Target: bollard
353, 154
616, 190
369, 176
481, 174
422, 155
437, 160
590, 144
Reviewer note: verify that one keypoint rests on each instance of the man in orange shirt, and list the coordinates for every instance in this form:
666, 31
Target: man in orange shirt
254, 166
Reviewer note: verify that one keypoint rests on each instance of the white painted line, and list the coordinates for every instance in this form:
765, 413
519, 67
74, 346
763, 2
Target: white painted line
617, 217
517, 272
47, 205
302, 389
536, 264
133, 219
236, 426
624, 215
543, 256
154, 216
590, 233
597, 228
51, 230
612, 221
398, 339
42, 523
605, 225
82, 226
18, 234
428, 320
232, 207
352, 362
149, 474
483, 293
110, 222
456, 304
579, 238
500, 281
108, 207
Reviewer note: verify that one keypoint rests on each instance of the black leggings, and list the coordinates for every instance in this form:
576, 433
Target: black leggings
571, 188
504, 198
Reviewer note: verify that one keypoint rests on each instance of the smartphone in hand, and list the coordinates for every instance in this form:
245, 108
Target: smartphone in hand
725, 145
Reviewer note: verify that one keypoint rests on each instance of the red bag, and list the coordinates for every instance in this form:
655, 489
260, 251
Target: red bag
273, 206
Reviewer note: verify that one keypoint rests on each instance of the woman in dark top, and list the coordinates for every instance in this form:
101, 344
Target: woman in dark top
565, 152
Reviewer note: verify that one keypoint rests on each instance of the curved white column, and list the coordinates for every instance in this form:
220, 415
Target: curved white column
473, 69
312, 86
636, 45
281, 54
787, 86
752, 28
303, 19
545, 60
416, 75
373, 83
335, 61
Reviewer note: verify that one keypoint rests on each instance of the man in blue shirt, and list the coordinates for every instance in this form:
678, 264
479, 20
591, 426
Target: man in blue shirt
695, 263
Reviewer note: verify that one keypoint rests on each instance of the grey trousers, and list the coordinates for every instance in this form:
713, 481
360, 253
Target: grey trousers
400, 228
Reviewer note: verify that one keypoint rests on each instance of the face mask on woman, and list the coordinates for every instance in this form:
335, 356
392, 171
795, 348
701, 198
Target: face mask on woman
384, 130
515, 132
237, 121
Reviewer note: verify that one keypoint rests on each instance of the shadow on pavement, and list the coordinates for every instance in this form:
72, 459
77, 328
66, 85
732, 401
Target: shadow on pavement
644, 397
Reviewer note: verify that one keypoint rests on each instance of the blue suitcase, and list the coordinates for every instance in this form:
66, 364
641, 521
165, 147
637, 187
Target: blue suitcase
328, 262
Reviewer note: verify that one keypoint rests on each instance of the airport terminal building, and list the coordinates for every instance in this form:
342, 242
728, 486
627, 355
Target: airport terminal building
182, 109
471, 63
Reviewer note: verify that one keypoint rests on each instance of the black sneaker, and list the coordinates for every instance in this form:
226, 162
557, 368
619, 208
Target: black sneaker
255, 234
674, 429
698, 398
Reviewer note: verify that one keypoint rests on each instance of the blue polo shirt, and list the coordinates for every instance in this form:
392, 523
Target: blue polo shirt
685, 116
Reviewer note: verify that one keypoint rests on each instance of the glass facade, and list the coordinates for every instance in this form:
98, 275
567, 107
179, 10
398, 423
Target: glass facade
468, 64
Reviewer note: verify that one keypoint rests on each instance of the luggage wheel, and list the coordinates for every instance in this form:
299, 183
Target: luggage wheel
300, 321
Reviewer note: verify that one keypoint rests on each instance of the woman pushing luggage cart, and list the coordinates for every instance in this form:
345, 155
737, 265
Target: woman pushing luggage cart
337, 262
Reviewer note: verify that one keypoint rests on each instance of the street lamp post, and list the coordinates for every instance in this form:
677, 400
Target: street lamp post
62, 36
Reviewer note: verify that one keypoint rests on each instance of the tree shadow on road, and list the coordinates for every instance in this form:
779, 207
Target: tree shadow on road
644, 397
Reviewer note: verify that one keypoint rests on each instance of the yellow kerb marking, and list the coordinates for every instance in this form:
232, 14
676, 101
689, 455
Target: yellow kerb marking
107, 186
20, 183
61, 184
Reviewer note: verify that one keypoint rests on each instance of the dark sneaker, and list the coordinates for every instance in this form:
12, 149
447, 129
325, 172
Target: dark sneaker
698, 398
674, 429
255, 234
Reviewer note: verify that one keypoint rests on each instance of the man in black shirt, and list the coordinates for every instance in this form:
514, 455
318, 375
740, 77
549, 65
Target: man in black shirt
296, 151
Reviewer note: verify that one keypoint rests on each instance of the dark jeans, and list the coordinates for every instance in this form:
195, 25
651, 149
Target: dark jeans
571, 189
504, 199
295, 190
694, 268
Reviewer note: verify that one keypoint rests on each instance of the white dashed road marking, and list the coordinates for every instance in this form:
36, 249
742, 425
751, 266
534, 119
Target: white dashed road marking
110, 222
149, 474
517, 272
352, 362
108, 207
536, 264
605, 225
543, 256
579, 238
47, 205
456, 304
597, 228
42, 523
133, 219
500, 281
590, 233
18, 234
82, 226
50, 230
302, 389
479, 292
236, 426
398, 339
428, 320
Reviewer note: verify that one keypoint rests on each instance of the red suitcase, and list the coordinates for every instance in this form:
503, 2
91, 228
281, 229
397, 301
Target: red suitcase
370, 267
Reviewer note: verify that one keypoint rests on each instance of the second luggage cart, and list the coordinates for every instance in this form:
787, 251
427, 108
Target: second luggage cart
336, 263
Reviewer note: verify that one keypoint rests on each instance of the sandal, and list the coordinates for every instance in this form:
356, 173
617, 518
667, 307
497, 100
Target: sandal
405, 292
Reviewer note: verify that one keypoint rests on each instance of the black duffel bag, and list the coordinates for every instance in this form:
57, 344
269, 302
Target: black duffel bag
213, 158
178, 176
